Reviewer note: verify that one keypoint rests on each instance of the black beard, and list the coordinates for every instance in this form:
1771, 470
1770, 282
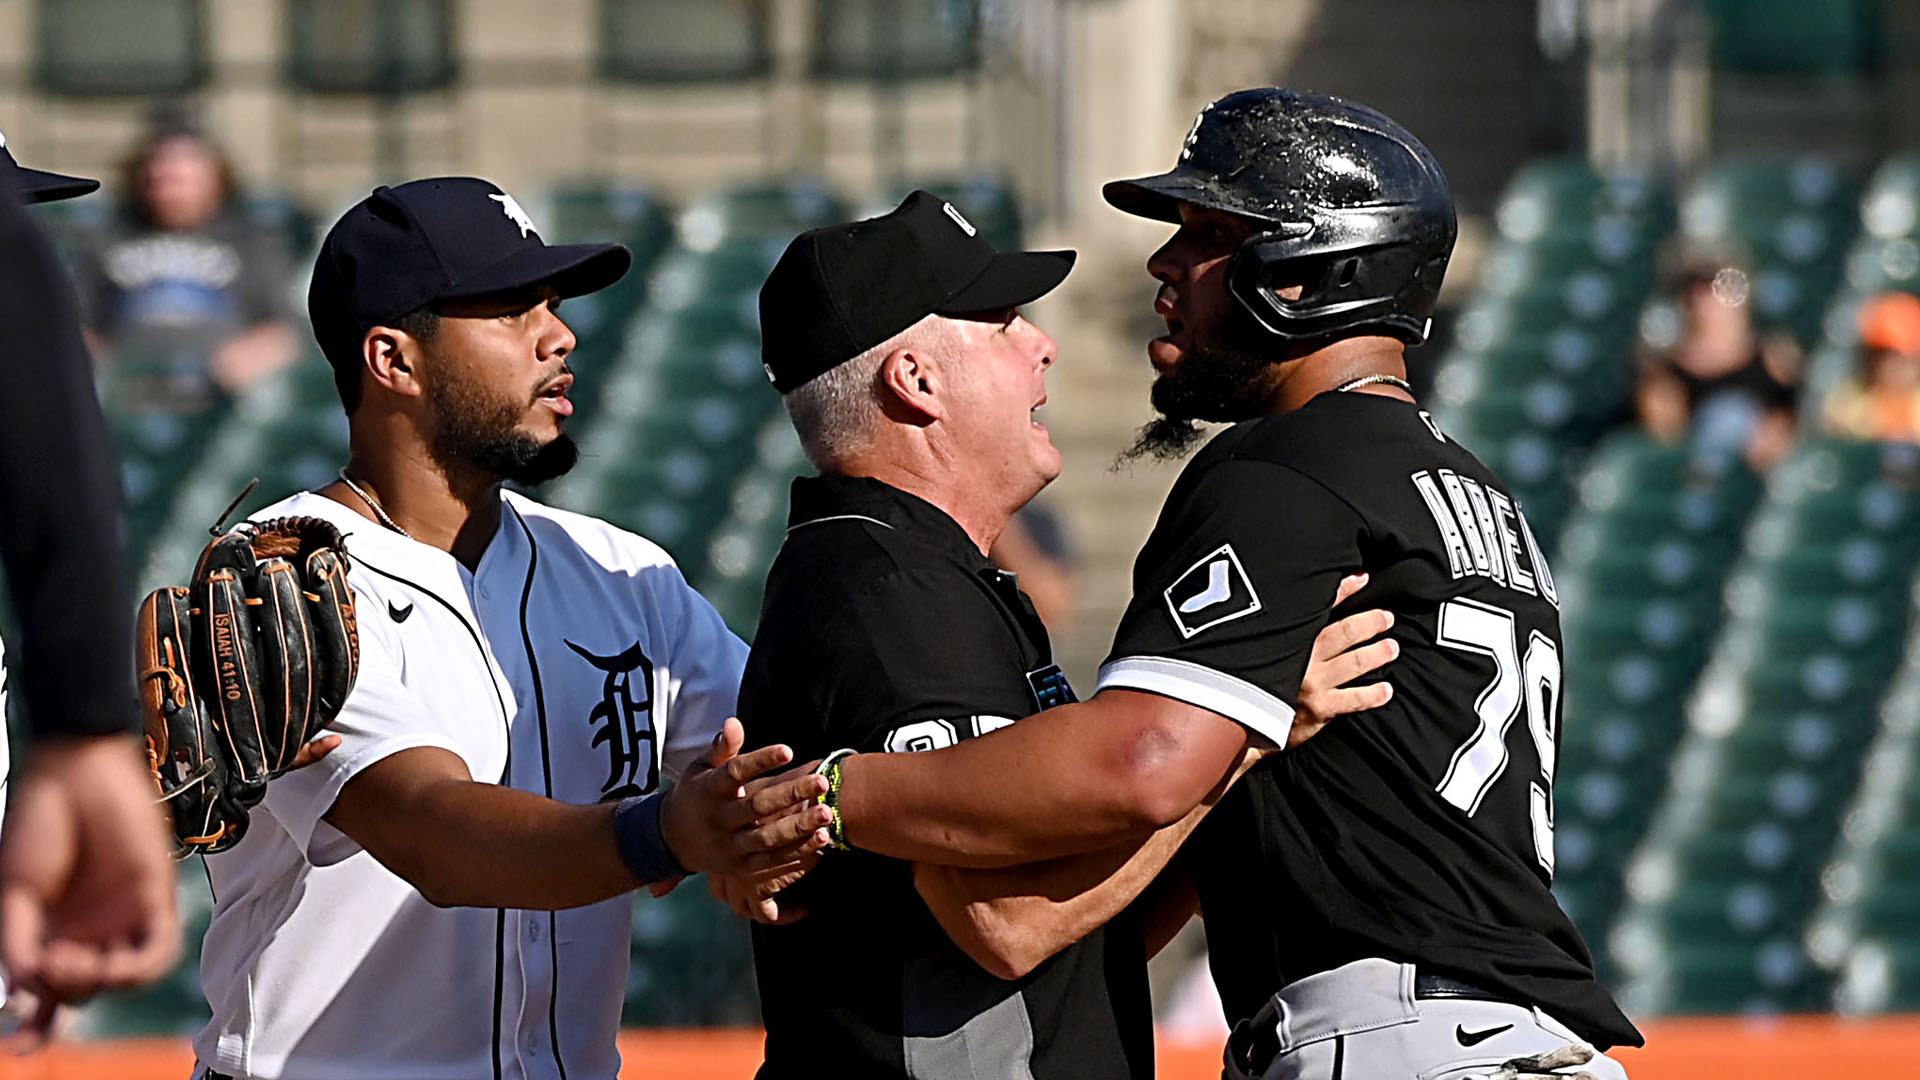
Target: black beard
485, 436
1218, 383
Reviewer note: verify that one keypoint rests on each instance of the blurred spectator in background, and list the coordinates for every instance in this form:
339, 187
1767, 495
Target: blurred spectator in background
1721, 386
1882, 401
1034, 545
186, 299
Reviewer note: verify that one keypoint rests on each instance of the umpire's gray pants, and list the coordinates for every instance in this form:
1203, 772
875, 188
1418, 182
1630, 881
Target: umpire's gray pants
1362, 1022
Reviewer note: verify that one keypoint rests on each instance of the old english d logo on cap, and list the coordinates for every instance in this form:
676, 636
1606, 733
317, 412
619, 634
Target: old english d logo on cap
515, 214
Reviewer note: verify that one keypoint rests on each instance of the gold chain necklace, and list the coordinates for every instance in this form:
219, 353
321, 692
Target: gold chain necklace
374, 504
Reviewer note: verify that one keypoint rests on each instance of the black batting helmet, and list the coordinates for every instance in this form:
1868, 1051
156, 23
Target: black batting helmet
1348, 200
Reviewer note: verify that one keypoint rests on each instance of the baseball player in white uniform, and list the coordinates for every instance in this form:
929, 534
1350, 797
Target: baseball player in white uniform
445, 894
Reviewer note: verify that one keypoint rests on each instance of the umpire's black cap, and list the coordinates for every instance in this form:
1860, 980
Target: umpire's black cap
38, 185
842, 289
429, 241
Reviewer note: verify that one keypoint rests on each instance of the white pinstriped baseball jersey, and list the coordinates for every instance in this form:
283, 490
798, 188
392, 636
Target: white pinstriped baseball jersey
574, 662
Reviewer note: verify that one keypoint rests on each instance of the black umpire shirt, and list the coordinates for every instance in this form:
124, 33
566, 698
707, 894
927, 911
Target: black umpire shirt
1421, 831
885, 629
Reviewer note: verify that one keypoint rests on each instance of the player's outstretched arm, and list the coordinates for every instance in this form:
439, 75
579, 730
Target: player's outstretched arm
462, 843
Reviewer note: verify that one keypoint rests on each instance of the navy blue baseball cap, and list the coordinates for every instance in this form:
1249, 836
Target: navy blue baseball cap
840, 290
39, 185
430, 241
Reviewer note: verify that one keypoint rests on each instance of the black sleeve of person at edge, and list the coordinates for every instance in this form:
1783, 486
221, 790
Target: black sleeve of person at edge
71, 663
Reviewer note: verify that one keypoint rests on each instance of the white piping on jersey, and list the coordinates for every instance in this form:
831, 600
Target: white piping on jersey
1250, 706
838, 517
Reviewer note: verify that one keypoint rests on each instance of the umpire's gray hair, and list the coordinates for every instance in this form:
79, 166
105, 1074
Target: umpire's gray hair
834, 413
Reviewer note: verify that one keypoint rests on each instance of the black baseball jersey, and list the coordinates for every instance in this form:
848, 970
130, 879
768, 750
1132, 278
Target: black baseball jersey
1419, 832
885, 629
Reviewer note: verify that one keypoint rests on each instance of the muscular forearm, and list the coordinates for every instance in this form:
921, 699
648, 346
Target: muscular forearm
462, 843
1011, 920
1074, 779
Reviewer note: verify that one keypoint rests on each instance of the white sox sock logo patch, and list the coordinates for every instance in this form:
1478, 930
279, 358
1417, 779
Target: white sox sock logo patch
626, 722
1212, 591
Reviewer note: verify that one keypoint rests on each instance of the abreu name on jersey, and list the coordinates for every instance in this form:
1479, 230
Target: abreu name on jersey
1484, 533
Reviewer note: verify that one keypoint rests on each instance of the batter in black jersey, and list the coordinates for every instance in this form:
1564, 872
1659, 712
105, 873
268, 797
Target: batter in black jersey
1423, 831
1410, 851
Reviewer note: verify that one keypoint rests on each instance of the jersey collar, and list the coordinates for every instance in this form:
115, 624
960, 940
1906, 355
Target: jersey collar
817, 498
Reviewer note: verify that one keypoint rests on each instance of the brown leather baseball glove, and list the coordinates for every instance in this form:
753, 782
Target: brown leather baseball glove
241, 668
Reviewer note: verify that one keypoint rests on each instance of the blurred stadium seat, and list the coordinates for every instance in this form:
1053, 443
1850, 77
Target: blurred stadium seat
1640, 572
1723, 889
1540, 364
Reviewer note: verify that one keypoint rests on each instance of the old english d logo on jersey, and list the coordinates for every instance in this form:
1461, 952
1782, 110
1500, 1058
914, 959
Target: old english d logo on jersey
625, 722
1210, 592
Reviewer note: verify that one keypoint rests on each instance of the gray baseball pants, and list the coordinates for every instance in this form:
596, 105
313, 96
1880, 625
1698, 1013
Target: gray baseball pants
1363, 1021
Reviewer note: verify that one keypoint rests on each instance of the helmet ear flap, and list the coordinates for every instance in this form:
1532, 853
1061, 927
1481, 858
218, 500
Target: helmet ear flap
1385, 289
1251, 274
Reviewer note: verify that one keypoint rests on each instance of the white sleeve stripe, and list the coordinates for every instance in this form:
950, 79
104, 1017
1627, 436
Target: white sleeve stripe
1236, 699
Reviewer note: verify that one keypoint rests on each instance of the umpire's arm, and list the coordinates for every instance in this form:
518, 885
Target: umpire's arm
1077, 778
1097, 776
1011, 920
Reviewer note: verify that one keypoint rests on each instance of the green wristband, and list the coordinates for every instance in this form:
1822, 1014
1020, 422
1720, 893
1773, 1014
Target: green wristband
830, 768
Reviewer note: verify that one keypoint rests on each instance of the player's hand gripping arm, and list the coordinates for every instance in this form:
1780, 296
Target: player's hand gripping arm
459, 842
1010, 920
1080, 777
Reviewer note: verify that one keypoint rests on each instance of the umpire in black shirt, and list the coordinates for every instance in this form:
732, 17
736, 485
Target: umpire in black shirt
912, 382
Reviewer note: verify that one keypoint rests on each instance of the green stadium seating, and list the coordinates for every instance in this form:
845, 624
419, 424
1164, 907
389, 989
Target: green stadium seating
1834, 39
1724, 888
1641, 569
1538, 369
734, 573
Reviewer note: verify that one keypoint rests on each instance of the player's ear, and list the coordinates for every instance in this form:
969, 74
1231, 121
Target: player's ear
391, 358
912, 385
